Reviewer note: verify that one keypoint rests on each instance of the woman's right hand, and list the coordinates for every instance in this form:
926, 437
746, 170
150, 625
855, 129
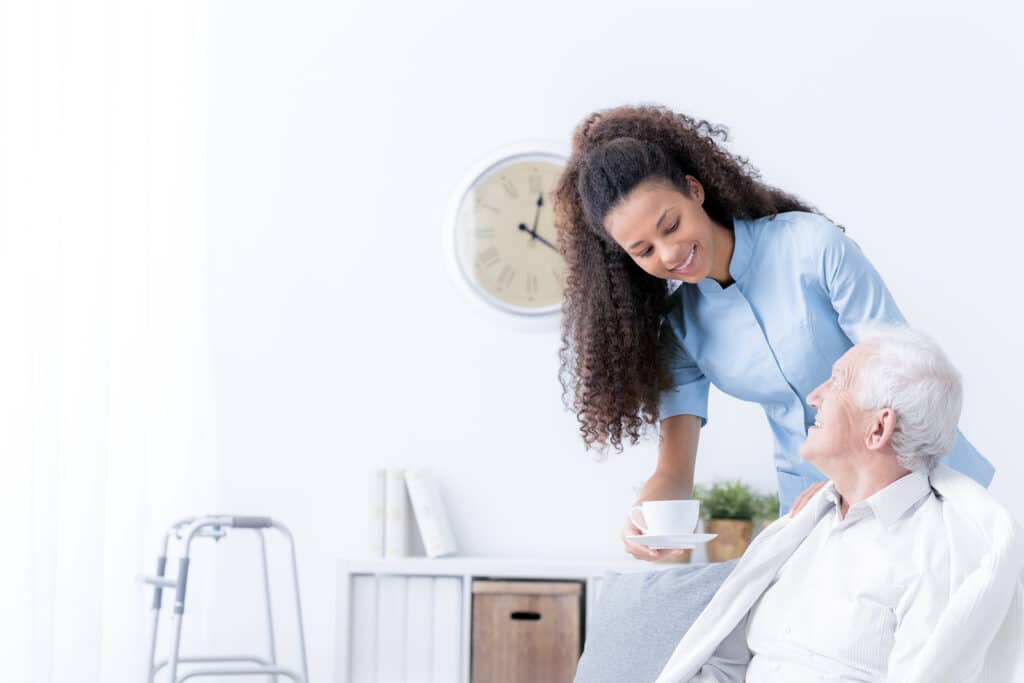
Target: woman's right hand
642, 552
672, 479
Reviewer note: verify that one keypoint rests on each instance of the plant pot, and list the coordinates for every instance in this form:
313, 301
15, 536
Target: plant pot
733, 538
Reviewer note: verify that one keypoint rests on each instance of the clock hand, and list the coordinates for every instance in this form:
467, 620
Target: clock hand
536, 216
534, 236
545, 242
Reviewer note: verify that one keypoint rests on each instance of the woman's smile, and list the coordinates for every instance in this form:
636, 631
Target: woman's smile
687, 266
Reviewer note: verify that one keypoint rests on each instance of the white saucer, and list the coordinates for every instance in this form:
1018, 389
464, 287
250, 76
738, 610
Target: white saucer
671, 541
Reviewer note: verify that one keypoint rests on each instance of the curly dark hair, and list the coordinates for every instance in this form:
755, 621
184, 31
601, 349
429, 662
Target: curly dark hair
611, 363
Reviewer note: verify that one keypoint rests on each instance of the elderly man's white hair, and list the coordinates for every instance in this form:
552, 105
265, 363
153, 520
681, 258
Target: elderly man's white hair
906, 371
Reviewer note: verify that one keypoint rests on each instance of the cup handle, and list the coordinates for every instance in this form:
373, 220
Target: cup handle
633, 512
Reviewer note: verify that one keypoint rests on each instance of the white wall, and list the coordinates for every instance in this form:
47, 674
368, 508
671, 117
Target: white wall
339, 131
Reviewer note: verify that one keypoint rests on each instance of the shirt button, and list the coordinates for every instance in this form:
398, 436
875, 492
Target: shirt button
787, 630
775, 666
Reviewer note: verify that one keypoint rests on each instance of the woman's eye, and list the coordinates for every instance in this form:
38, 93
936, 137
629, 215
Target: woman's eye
673, 228
646, 252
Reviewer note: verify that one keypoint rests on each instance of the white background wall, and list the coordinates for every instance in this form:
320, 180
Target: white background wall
338, 132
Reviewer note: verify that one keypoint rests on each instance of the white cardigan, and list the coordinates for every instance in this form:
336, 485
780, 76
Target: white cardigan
980, 634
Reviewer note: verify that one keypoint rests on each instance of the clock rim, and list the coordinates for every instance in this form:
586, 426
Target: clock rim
542, 150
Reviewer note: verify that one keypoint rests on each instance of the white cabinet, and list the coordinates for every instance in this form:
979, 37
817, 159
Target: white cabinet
408, 620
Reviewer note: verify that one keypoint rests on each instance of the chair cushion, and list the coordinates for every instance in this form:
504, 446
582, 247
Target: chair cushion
640, 617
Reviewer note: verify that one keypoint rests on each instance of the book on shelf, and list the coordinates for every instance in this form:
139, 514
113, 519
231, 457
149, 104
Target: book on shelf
405, 628
419, 628
375, 528
397, 519
362, 655
392, 644
431, 513
447, 629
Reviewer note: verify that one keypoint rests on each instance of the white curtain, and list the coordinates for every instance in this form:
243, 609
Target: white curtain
106, 392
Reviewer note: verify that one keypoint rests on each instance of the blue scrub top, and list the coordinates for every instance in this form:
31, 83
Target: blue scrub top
801, 289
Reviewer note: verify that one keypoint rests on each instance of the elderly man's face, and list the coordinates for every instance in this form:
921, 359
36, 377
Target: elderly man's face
840, 426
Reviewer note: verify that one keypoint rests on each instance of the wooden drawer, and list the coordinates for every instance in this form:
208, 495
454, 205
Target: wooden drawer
526, 631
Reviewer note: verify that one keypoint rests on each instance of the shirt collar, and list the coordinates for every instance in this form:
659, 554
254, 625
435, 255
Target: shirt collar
742, 249
891, 503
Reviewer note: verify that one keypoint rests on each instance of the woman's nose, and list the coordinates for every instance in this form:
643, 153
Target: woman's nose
671, 256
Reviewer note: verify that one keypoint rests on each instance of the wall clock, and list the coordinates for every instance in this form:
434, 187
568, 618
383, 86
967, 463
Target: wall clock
501, 233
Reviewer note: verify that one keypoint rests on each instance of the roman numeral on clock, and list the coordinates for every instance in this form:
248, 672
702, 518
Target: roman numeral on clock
510, 188
506, 276
488, 257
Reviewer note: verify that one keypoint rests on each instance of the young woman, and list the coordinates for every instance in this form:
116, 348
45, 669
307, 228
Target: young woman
684, 270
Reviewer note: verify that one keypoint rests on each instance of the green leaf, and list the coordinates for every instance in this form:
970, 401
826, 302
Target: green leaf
735, 500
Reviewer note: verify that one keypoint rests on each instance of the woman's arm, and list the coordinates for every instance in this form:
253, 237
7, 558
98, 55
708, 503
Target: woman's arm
672, 478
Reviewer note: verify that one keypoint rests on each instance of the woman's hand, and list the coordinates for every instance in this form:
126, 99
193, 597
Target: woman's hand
802, 499
642, 552
672, 479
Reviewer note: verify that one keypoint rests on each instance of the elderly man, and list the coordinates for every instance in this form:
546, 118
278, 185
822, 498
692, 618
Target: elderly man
898, 569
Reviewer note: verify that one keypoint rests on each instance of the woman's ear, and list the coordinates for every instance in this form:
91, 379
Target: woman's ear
695, 189
883, 424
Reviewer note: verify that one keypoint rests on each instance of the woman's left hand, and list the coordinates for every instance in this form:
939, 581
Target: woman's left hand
802, 499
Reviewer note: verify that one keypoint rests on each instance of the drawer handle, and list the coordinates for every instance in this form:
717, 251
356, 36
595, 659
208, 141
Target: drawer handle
526, 616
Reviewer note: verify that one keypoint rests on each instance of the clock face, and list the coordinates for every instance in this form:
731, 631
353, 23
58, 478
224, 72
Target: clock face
505, 235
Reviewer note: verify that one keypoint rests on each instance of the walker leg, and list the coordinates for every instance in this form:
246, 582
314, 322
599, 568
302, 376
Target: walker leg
179, 612
298, 607
172, 665
151, 671
266, 593
161, 565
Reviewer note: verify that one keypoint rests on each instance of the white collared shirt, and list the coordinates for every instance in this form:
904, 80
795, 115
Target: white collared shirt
859, 596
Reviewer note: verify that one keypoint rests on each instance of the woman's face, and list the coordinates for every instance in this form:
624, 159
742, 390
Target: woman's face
666, 232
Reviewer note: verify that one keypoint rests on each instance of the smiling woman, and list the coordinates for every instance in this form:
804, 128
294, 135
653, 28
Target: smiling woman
685, 270
649, 153
669, 236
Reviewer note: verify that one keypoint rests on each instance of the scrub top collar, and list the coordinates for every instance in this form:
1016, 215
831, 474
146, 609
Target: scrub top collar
742, 251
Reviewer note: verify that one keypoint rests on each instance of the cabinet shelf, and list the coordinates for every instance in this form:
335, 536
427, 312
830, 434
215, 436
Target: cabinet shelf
410, 618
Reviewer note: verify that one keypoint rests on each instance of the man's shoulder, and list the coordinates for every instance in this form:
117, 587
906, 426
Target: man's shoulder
969, 508
964, 494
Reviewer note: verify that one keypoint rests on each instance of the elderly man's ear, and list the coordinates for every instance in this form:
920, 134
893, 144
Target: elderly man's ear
883, 424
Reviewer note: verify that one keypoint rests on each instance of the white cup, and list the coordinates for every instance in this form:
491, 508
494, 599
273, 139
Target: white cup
666, 516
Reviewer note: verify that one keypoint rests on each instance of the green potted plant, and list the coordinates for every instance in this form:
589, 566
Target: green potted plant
728, 509
766, 509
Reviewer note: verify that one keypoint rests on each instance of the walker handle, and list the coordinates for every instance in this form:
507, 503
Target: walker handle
250, 522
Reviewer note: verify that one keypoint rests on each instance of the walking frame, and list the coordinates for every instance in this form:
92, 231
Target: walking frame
216, 526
